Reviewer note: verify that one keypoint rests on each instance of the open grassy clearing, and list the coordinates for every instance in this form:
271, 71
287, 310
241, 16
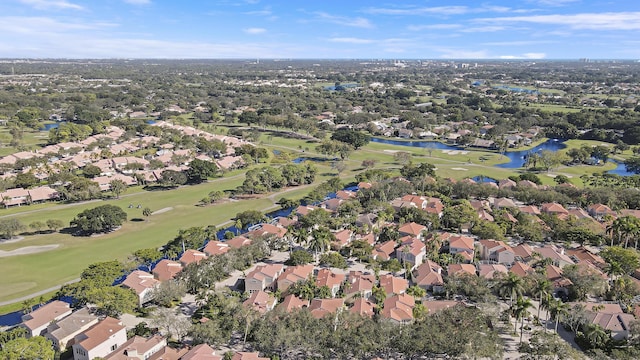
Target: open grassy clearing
32, 139
556, 108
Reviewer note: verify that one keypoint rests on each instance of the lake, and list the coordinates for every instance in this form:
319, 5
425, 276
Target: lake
517, 159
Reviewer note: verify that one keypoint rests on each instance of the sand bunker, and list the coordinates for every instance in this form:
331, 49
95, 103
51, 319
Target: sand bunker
455, 152
459, 169
163, 210
28, 250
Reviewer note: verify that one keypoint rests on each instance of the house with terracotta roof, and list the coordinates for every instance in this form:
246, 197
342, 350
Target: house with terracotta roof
530, 209
268, 229
599, 211
363, 307
434, 306
166, 269
411, 251
343, 238
292, 275
322, 307
463, 245
412, 229
143, 284
501, 203
527, 184
36, 322
559, 282
261, 302
556, 254
333, 281
215, 247
393, 285
364, 185
345, 194
398, 309
247, 356
61, 332
99, 340
429, 276
43, 193
460, 269
192, 256
582, 254
303, 210
553, 208
263, 277
523, 252
331, 205
384, 251
201, 352
521, 269
292, 302
485, 215
238, 242
610, 317
12, 197
497, 251
139, 348
491, 271
359, 283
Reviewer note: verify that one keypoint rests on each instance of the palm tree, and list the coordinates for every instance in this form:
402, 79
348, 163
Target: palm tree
557, 309
596, 336
511, 286
543, 289
320, 240
520, 311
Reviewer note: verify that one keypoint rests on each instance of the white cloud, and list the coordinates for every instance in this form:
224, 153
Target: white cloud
554, 2
255, 31
584, 21
433, 27
51, 4
138, 2
493, 28
44, 26
518, 43
463, 54
444, 10
343, 20
436, 10
527, 56
264, 12
350, 40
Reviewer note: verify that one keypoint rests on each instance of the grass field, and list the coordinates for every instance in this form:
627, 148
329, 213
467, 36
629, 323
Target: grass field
31, 140
556, 108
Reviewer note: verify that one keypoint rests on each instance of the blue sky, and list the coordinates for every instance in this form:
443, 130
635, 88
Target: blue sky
419, 29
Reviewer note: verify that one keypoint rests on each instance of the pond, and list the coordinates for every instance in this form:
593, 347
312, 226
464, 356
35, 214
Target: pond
517, 159
47, 127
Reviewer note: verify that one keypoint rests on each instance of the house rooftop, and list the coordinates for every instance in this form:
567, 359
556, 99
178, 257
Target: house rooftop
136, 345
45, 314
99, 333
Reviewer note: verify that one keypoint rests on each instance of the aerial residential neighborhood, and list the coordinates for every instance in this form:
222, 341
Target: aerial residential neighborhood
320, 209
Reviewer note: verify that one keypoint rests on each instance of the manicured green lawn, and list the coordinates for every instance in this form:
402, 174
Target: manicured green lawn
31, 139
556, 108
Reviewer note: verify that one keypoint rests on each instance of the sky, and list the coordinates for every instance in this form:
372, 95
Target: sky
320, 29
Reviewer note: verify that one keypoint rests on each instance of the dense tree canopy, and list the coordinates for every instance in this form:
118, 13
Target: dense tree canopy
103, 218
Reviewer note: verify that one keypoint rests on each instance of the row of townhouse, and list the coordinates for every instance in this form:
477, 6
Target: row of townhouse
119, 165
91, 337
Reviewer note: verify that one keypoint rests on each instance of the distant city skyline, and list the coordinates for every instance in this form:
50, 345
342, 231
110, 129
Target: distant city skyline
330, 29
